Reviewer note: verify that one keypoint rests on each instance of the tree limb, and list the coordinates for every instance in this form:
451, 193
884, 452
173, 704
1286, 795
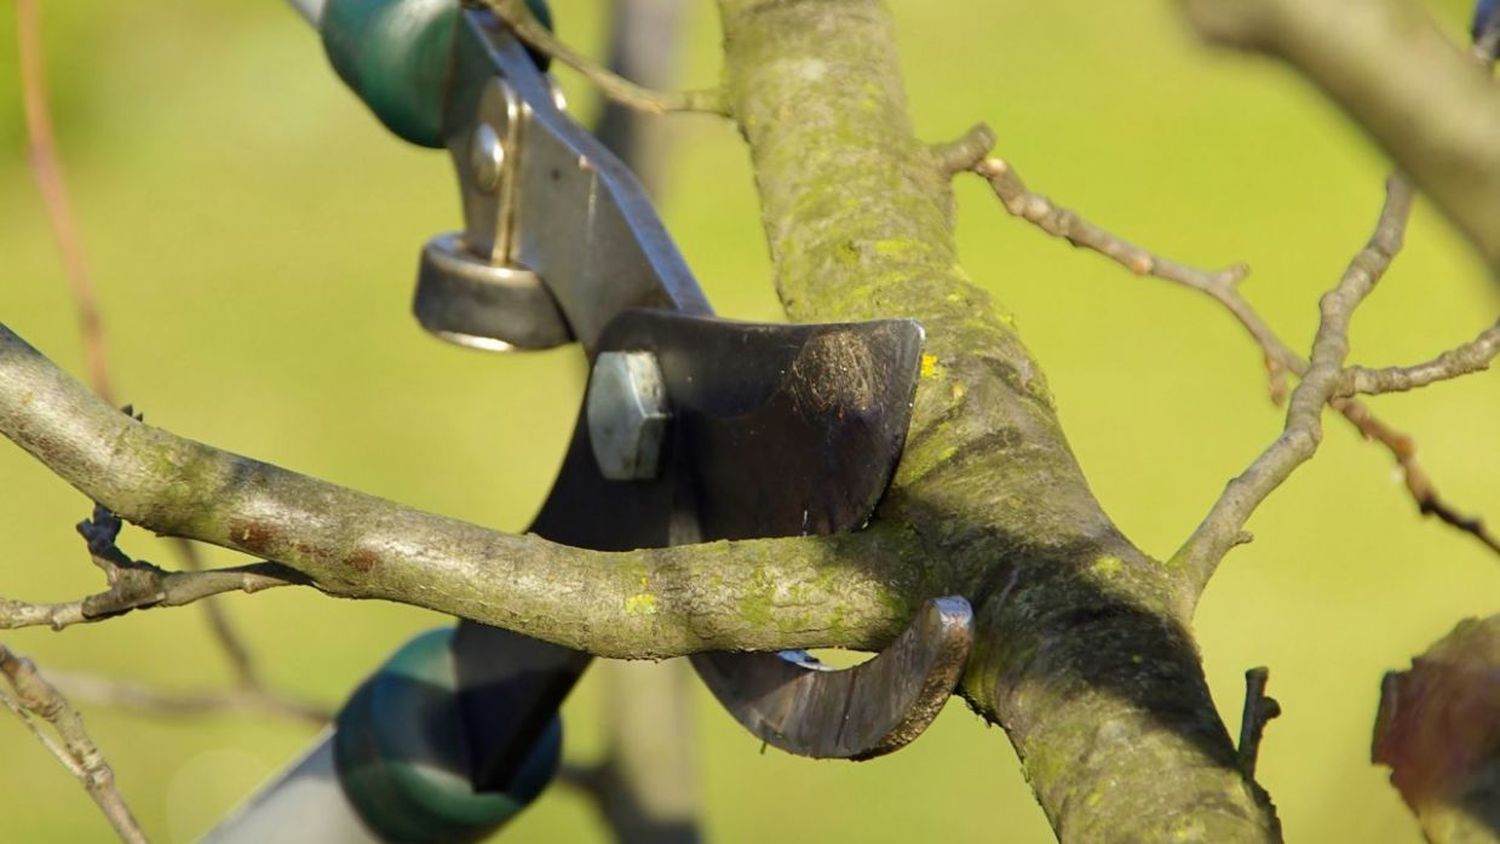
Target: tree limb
1082, 650
852, 591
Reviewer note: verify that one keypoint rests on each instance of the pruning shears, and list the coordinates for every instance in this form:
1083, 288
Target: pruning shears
694, 428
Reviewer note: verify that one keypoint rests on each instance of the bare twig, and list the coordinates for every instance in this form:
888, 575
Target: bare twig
46, 170
37, 698
1303, 430
137, 584
1471, 357
612, 85
1280, 359
965, 152
1259, 709
1429, 502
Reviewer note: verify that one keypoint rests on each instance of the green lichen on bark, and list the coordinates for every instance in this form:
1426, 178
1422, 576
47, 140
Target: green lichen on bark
1083, 652
846, 590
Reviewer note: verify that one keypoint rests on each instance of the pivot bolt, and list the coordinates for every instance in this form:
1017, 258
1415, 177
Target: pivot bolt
486, 157
627, 415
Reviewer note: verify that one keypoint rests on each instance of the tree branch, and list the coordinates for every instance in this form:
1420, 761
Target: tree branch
36, 698
1081, 647
617, 88
1259, 709
1412, 90
1221, 529
137, 584
852, 591
1471, 357
1223, 287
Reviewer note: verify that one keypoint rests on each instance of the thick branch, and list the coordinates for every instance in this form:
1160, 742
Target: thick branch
1435, 112
1082, 650
852, 591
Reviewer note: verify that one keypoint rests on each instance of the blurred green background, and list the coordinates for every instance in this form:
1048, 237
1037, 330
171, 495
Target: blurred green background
253, 234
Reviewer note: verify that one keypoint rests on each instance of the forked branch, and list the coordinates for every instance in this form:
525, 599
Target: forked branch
32, 698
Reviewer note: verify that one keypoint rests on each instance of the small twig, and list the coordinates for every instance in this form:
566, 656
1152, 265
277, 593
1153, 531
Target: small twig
1303, 429
1471, 357
515, 14
46, 170
1222, 287
137, 584
36, 698
966, 152
1429, 502
1259, 709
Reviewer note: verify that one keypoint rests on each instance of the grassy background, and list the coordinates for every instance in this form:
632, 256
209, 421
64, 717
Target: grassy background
253, 233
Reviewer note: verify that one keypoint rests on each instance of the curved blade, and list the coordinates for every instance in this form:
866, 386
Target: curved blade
795, 703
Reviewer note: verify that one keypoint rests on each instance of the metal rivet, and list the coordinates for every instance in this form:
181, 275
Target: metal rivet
627, 415
486, 157
558, 99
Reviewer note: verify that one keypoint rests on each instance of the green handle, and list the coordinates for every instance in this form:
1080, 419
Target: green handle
396, 55
402, 759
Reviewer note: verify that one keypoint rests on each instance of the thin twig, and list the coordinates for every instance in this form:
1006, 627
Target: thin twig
46, 170
519, 18
1304, 428
137, 584
37, 698
1259, 709
1222, 286
1429, 502
1471, 357
966, 152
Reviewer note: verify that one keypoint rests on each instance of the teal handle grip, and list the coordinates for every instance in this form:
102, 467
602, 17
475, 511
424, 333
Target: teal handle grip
396, 55
401, 759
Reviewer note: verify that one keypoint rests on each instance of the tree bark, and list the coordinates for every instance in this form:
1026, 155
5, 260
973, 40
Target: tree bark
1083, 652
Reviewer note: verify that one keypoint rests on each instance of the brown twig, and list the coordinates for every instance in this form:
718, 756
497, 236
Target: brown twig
1259, 709
46, 170
137, 584
621, 90
35, 698
1280, 360
1303, 430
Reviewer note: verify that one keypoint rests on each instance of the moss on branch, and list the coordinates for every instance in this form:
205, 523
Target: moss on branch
852, 590
1083, 653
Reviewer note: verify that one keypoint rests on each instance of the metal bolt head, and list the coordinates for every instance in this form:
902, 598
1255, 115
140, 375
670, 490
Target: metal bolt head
486, 157
627, 415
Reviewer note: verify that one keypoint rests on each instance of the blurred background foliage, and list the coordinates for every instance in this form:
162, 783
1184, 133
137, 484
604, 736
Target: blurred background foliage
253, 233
